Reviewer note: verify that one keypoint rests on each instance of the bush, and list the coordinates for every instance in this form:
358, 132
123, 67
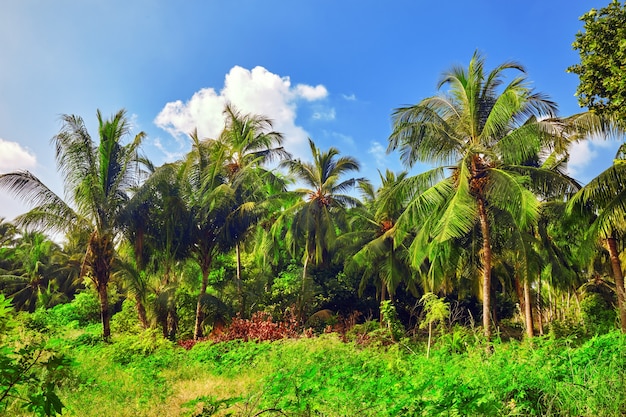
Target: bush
130, 348
126, 320
597, 315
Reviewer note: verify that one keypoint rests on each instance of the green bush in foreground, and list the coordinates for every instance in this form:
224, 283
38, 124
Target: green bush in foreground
30, 373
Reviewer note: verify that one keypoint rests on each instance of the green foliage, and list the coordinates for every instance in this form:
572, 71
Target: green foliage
126, 321
210, 405
437, 310
391, 320
83, 310
229, 357
598, 317
602, 71
30, 374
130, 348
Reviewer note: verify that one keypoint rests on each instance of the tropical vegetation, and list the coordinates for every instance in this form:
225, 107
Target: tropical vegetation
238, 280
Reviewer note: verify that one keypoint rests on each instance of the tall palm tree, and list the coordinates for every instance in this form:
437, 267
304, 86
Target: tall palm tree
485, 130
313, 218
159, 229
210, 201
250, 145
605, 196
97, 178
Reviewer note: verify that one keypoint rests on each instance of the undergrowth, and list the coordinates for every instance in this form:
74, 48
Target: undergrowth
360, 373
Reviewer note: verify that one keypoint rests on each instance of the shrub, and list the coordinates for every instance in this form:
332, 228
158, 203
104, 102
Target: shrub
597, 315
126, 320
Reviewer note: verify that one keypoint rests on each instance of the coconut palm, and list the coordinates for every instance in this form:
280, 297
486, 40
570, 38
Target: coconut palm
481, 132
372, 225
249, 145
605, 196
312, 219
34, 255
97, 178
210, 201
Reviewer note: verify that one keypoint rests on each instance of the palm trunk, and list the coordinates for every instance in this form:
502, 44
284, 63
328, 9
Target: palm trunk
539, 307
141, 313
383, 297
528, 310
619, 280
197, 333
105, 315
430, 334
239, 282
519, 291
486, 264
303, 289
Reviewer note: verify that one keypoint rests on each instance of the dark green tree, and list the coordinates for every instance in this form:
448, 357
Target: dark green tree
602, 67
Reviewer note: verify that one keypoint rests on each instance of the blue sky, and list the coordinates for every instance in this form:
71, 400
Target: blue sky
331, 70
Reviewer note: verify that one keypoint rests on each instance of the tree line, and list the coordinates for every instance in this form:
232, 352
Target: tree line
237, 225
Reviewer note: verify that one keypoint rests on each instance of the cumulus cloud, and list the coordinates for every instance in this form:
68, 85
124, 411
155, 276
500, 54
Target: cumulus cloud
378, 151
14, 157
256, 91
586, 155
580, 156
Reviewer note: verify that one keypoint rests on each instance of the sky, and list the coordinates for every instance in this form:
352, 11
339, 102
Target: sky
329, 70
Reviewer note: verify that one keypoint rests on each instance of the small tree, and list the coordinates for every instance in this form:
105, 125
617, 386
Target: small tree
437, 310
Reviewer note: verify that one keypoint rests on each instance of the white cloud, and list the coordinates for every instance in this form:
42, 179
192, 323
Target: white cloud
311, 93
256, 91
378, 151
13, 157
580, 156
350, 97
324, 114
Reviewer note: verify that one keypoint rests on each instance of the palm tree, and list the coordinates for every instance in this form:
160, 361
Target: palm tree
605, 196
250, 145
34, 256
97, 178
373, 230
313, 217
210, 201
158, 227
486, 130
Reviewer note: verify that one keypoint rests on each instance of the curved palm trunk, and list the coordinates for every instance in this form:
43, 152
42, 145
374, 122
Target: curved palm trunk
303, 289
619, 280
486, 264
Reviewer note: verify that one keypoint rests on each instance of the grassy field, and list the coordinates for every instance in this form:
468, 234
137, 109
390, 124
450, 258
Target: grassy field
329, 375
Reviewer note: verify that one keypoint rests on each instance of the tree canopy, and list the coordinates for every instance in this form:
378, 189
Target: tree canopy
602, 67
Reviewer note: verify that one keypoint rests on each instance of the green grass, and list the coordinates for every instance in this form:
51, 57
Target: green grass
147, 376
